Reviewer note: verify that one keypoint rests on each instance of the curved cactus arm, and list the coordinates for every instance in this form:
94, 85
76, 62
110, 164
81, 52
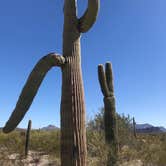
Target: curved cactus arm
89, 17
109, 77
31, 87
102, 81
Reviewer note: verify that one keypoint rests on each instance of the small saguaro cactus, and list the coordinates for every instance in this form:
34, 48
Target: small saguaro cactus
134, 128
110, 122
28, 137
73, 130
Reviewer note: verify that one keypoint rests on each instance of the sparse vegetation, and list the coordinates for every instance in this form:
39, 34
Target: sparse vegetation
148, 149
43, 143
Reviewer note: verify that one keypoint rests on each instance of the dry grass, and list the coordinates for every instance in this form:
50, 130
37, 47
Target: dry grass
44, 149
150, 149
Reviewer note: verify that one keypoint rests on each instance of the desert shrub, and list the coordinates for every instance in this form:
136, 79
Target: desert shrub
125, 135
96, 138
46, 141
153, 150
125, 130
97, 149
13, 142
150, 148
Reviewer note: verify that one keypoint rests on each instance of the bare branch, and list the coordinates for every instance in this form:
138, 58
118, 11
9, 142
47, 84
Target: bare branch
89, 17
31, 87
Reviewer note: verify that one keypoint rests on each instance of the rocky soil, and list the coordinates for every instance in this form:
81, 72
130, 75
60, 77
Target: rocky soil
33, 159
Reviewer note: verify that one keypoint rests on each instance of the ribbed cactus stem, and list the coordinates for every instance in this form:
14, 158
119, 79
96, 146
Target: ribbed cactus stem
103, 81
27, 142
110, 123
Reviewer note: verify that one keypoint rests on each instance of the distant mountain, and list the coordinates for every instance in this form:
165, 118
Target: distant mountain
162, 129
148, 128
143, 126
140, 128
49, 127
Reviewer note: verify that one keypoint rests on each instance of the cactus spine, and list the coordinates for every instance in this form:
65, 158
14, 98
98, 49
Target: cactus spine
134, 128
28, 137
73, 131
110, 123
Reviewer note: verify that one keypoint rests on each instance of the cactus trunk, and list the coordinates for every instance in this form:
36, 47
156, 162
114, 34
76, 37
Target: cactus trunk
110, 125
73, 132
28, 137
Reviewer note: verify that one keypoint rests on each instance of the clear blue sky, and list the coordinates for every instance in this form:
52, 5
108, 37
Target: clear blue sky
129, 33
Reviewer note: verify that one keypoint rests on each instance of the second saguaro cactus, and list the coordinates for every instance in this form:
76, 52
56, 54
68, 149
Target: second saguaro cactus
27, 141
110, 122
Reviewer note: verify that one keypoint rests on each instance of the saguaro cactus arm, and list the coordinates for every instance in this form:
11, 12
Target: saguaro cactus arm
89, 17
103, 81
109, 77
31, 87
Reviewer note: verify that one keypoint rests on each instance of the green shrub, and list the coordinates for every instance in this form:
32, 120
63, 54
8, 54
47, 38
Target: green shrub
46, 141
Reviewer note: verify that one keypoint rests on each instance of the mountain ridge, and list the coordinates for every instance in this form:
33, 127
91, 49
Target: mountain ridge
140, 128
148, 128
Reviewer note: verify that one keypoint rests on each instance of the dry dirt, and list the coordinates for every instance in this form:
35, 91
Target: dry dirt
133, 163
33, 159
40, 159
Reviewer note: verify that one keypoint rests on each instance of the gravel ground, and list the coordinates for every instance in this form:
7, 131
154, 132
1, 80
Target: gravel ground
33, 159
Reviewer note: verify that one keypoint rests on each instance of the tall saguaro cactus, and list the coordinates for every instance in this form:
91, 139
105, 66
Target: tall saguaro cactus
73, 131
28, 137
110, 123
